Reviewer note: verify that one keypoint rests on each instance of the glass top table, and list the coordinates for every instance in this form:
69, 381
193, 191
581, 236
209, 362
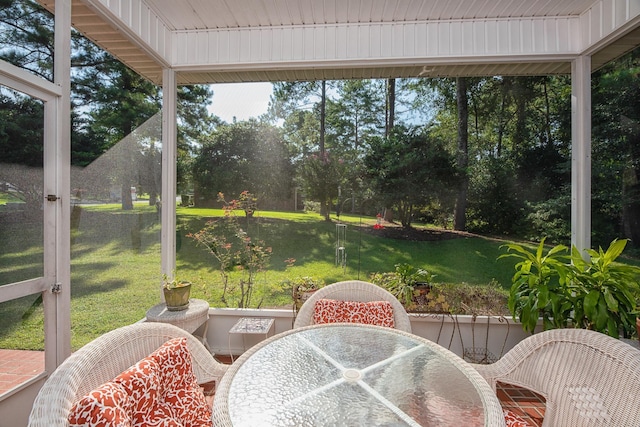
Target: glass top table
353, 375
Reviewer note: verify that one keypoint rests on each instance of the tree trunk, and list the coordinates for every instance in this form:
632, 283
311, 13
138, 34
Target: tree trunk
324, 204
462, 159
325, 209
391, 106
520, 96
127, 203
323, 105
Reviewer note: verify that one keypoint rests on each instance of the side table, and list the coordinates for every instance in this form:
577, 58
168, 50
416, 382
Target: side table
251, 326
189, 319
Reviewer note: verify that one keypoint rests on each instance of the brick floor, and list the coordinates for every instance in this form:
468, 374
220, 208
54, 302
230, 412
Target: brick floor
18, 366
530, 406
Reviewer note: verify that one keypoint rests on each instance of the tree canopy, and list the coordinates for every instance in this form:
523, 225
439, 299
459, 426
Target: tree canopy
487, 154
243, 156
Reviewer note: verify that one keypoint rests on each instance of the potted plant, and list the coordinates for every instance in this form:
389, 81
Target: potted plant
418, 293
597, 293
406, 283
176, 293
303, 287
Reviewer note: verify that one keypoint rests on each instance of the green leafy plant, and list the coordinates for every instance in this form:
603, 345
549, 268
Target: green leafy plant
605, 293
306, 284
417, 292
172, 282
402, 283
567, 290
301, 288
536, 289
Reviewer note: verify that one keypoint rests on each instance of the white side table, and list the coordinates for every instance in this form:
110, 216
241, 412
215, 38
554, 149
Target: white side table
190, 319
251, 326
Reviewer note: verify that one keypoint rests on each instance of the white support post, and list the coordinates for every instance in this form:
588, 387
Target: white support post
581, 153
57, 167
169, 172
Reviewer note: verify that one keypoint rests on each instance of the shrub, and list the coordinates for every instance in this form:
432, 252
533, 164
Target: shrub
417, 292
567, 290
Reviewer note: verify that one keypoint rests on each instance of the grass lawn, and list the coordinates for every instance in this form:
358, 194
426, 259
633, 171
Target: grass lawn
116, 274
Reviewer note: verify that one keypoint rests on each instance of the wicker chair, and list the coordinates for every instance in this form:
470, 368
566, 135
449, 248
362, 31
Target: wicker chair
587, 378
103, 359
353, 290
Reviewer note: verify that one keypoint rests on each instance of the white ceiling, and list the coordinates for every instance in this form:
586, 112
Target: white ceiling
211, 41
207, 14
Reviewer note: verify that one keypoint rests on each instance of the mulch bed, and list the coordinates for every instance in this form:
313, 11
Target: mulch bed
396, 231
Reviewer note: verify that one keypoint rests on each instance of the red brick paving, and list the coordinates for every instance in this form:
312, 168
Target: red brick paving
530, 406
18, 366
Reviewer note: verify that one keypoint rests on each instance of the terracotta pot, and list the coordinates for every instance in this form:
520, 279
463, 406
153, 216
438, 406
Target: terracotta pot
638, 327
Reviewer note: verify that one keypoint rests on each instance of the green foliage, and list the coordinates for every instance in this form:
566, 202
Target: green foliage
409, 169
173, 281
26, 37
549, 218
415, 289
306, 284
494, 205
321, 175
605, 293
311, 206
403, 281
241, 153
598, 294
536, 290
357, 112
21, 131
616, 150
463, 298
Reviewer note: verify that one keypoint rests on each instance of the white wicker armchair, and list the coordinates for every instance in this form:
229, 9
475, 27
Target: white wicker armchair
587, 378
353, 290
103, 359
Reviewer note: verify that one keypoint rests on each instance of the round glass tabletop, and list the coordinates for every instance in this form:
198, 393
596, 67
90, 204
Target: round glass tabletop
349, 375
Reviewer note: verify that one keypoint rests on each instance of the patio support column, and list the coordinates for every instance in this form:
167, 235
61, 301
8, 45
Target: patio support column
581, 153
169, 172
57, 158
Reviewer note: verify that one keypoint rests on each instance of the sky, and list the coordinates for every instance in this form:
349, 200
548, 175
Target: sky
240, 100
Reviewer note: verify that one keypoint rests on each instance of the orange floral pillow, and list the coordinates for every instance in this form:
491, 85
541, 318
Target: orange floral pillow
514, 420
160, 390
131, 399
378, 313
180, 389
108, 405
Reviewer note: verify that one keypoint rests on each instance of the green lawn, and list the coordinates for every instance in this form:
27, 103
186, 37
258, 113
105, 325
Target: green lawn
116, 264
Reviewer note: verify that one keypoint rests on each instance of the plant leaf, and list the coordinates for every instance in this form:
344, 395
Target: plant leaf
590, 302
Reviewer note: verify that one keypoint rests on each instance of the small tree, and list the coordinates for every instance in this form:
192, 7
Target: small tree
231, 246
321, 176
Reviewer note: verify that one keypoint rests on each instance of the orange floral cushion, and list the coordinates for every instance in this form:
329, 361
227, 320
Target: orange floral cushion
160, 390
180, 385
108, 405
134, 394
378, 313
514, 420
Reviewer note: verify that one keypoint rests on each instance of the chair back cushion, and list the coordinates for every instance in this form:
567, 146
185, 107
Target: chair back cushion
161, 389
378, 313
